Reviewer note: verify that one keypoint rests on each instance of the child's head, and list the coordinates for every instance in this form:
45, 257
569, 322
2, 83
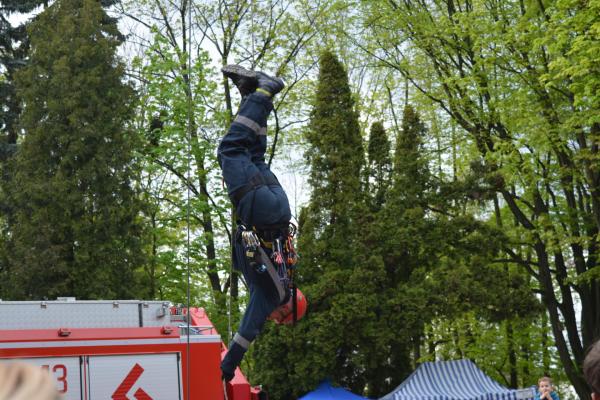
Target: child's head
544, 384
591, 369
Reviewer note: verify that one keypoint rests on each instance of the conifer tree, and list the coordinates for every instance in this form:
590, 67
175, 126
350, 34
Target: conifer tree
379, 164
335, 154
438, 259
407, 196
405, 246
411, 173
14, 46
76, 231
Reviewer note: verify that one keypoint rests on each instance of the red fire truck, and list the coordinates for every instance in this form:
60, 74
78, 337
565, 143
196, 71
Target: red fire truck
120, 350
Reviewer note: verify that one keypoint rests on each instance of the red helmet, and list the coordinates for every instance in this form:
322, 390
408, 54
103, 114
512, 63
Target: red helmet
284, 314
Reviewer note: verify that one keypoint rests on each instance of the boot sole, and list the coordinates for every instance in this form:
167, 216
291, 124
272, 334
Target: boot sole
234, 70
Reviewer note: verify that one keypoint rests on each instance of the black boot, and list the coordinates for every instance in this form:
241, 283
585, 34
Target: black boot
269, 85
244, 79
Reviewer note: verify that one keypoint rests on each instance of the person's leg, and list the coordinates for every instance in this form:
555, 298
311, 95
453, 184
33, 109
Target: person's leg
276, 209
262, 201
233, 152
258, 149
255, 87
247, 182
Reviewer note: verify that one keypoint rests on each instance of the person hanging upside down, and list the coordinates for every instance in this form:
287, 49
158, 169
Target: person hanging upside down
262, 245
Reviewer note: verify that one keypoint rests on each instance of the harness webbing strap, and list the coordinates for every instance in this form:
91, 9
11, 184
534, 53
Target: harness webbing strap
256, 181
263, 131
247, 122
268, 233
266, 261
242, 341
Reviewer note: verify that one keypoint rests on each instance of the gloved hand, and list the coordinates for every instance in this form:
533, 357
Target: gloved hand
20, 381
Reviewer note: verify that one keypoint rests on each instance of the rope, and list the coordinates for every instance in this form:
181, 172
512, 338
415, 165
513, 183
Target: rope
189, 152
225, 390
253, 32
230, 330
274, 145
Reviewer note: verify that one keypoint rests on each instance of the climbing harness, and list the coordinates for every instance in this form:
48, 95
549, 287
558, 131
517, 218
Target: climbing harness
280, 265
188, 198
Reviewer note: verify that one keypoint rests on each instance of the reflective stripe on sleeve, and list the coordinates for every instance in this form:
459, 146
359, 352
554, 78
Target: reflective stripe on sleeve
242, 341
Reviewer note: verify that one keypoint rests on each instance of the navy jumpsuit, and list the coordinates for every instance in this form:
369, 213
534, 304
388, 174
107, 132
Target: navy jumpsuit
263, 203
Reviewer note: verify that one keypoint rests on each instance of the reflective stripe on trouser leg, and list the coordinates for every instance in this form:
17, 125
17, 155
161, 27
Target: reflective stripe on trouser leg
253, 114
248, 123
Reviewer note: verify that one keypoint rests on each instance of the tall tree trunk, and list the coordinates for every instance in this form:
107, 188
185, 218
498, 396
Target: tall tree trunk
512, 355
199, 159
416, 350
545, 345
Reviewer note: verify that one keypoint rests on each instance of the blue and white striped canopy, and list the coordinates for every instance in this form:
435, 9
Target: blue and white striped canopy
450, 380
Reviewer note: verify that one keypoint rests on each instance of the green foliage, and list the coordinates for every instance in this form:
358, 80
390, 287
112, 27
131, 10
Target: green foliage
14, 46
438, 261
179, 129
378, 168
376, 277
76, 230
519, 80
396, 258
335, 153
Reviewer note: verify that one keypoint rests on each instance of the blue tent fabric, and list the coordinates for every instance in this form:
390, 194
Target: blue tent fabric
450, 380
327, 392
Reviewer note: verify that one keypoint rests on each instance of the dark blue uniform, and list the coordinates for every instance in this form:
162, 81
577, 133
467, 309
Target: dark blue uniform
261, 203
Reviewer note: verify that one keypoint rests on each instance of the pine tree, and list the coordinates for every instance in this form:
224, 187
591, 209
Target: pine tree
76, 231
407, 198
438, 259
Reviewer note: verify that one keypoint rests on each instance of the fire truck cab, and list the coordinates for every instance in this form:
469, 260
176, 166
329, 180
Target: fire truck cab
120, 350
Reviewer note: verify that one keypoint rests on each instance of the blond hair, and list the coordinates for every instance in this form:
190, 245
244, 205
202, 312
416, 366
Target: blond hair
545, 379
